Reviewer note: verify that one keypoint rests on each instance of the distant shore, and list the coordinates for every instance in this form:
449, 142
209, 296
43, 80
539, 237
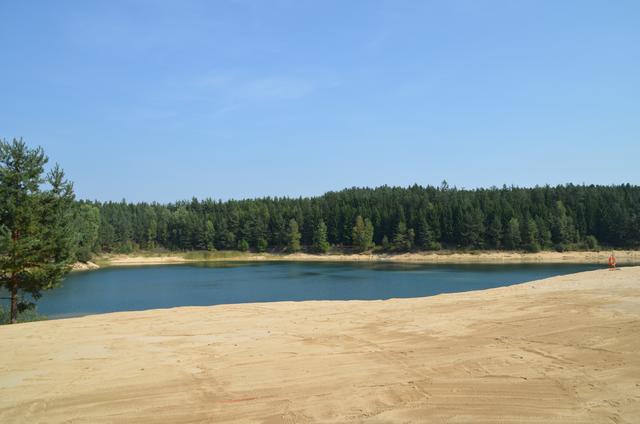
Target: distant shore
624, 257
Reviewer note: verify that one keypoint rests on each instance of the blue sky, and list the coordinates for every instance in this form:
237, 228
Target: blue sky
153, 100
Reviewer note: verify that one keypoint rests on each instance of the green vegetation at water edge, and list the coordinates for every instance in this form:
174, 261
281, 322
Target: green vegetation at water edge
27, 315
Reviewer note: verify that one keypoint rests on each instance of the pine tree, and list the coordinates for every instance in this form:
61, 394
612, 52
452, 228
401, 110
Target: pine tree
544, 235
560, 226
362, 234
472, 229
37, 243
512, 236
262, 245
293, 242
243, 245
425, 238
591, 243
87, 226
411, 238
320, 243
385, 243
368, 234
530, 236
494, 233
209, 235
401, 238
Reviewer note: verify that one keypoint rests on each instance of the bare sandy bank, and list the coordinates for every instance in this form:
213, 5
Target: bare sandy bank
560, 350
623, 257
84, 266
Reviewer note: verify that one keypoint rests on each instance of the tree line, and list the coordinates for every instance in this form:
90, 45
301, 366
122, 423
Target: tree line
392, 219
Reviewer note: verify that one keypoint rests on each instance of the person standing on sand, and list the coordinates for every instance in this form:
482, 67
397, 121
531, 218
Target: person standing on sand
612, 262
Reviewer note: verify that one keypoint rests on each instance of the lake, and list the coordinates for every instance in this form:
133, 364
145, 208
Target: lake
150, 287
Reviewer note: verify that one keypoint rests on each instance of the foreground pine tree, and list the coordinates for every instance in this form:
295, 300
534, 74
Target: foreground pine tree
36, 214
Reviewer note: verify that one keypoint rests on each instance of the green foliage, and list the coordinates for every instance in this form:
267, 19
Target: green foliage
362, 234
26, 315
37, 241
294, 236
560, 247
319, 242
262, 245
544, 234
532, 247
403, 238
124, 247
441, 217
591, 243
425, 238
560, 232
494, 233
512, 237
87, 227
530, 236
472, 229
243, 245
385, 243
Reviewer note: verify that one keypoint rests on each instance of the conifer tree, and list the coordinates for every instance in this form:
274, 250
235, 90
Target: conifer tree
494, 233
472, 229
368, 234
560, 226
425, 238
87, 226
529, 235
385, 243
402, 240
37, 242
362, 234
320, 243
243, 245
262, 245
512, 236
293, 243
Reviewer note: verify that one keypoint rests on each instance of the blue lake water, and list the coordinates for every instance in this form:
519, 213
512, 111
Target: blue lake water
149, 287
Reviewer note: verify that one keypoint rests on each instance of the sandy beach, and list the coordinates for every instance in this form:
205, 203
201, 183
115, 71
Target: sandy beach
624, 257
560, 350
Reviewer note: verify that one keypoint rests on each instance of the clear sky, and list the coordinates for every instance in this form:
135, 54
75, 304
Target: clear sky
165, 100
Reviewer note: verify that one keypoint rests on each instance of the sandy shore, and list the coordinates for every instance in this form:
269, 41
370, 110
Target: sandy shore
561, 350
84, 266
623, 257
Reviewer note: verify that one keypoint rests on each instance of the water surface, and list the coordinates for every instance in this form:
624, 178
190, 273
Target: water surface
149, 287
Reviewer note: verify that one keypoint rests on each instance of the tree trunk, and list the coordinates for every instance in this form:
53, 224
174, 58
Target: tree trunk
14, 300
15, 235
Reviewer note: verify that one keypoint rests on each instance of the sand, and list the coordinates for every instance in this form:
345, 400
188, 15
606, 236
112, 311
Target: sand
627, 257
561, 350
84, 266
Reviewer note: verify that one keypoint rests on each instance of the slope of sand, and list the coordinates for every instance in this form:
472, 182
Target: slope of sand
561, 350
624, 257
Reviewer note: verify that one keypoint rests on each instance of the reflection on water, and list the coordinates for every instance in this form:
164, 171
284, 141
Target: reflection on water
148, 287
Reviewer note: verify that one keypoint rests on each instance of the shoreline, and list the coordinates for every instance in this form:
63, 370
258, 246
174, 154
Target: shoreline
562, 349
624, 257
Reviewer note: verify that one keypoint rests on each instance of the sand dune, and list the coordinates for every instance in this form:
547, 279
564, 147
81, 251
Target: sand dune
561, 350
